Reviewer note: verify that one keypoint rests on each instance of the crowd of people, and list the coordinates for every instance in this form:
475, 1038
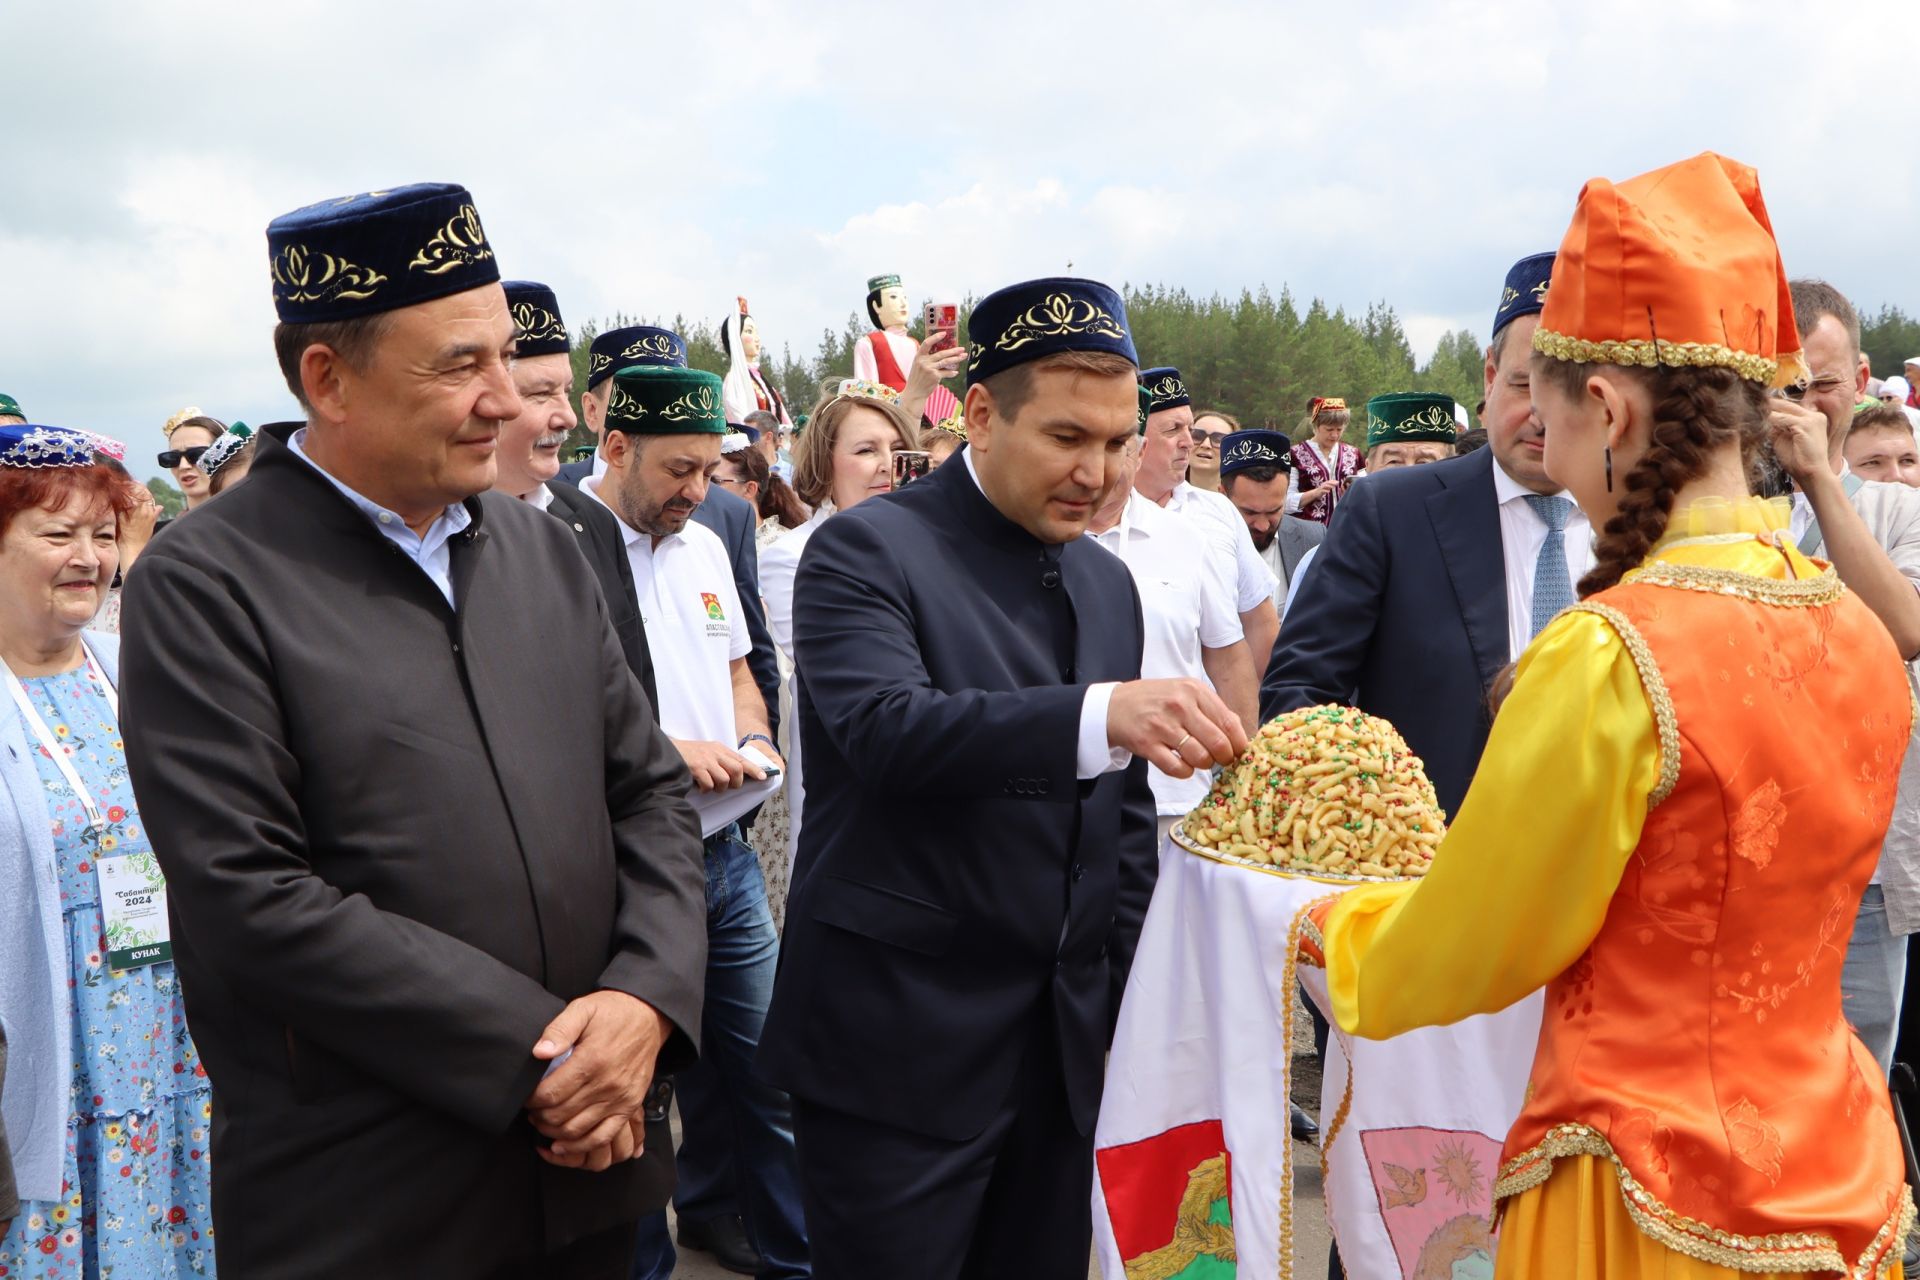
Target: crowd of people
472, 810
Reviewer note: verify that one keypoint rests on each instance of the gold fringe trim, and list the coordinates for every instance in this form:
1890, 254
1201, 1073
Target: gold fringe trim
1666, 723
1800, 593
1289, 983
1788, 1251
1648, 354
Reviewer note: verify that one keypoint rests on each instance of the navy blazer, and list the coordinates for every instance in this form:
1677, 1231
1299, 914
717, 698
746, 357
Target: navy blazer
954, 878
731, 516
1404, 614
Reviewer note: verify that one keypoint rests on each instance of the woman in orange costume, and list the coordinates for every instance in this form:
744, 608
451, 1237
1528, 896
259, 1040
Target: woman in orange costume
1680, 804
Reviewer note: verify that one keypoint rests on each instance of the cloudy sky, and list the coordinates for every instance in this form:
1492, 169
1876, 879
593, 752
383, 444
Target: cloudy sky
659, 159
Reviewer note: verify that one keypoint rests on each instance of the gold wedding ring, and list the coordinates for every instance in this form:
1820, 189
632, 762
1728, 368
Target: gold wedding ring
1183, 742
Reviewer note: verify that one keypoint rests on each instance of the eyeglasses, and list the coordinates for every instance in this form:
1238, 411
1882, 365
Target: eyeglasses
174, 457
726, 480
1819, 386
1201, 436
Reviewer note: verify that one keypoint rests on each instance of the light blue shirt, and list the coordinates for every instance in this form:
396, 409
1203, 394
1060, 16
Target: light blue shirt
431, 553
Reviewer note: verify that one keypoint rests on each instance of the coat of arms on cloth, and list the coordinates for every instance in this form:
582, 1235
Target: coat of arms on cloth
1435, 1188
1170, 1202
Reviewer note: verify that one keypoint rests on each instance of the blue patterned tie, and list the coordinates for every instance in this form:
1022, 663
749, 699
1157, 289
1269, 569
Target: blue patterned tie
1552, 588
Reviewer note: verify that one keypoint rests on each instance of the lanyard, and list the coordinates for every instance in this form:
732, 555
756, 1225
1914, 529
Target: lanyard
51, 746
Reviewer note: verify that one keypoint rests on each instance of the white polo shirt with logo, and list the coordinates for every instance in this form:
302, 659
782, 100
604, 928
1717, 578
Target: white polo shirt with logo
691, 610
1187, 601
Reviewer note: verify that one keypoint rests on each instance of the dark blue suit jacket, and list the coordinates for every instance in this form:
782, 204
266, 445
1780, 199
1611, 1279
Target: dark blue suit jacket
954, 878
1404, 614
731, 516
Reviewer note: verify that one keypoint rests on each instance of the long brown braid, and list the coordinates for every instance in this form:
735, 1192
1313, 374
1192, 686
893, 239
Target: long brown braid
1696, 413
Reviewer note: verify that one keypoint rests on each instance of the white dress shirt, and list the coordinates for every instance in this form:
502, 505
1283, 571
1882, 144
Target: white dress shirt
1522, 533
430, 552
1186, 600
1253, 581
1094, 756
541, 497
691, 610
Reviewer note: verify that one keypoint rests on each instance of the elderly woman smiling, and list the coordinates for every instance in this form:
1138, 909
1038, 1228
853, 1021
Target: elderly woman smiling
106, 1105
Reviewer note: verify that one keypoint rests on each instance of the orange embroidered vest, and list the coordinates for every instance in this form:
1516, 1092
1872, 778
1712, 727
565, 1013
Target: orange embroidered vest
1699, 1043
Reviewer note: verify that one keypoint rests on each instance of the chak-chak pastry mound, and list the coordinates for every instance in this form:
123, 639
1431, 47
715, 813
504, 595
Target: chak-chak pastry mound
1324, 791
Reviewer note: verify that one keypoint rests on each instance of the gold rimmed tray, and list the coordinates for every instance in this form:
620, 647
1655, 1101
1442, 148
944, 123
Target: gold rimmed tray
1179, 835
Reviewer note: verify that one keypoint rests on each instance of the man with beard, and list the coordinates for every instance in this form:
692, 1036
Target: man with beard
1433, 578
664, 428
728, 515
440, 921
529, 458
1255, 470
1162, 478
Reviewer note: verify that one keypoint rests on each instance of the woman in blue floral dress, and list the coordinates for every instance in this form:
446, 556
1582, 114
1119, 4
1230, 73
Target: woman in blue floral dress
132, 1194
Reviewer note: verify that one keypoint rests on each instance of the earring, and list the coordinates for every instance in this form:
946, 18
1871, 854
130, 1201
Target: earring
1609, 452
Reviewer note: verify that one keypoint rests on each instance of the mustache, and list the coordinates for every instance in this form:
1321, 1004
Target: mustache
550, 440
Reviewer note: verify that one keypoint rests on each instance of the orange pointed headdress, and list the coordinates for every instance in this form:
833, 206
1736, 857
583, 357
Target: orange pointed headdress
1677, 267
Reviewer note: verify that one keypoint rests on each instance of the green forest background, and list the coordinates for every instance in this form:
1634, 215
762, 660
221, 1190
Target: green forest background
1259, 357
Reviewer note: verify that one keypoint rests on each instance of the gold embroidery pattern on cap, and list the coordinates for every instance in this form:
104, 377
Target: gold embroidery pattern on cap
1508, 296
974, 352
698, 405
624, 406
1648, 354
598, 361
1431, 417
460, 242
304, 275
654, 344
1168, 388
1060, 315
537, 323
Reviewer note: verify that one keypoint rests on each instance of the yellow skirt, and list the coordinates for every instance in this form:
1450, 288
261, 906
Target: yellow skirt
1575, 1226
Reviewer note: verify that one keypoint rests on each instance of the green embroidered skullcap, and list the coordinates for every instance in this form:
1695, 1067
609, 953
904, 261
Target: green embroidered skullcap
877, 283
1409, 417
9, 407
659, 400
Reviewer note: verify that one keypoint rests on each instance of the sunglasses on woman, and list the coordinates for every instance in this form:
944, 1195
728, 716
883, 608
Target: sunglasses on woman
1201, 435
174, 457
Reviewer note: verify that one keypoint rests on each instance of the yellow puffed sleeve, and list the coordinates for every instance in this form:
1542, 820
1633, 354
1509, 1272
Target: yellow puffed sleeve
1521, 883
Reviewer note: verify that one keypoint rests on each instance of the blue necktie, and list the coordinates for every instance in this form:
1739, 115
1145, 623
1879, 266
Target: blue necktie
1552, 588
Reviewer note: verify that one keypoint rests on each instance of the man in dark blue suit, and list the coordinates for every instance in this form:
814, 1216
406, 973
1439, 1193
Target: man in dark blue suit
1433, 578
979, 846
727, 514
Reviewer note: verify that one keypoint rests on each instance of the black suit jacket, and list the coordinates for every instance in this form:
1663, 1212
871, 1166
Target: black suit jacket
954, 877
730, 516
398, 838
1404, 613
605, 548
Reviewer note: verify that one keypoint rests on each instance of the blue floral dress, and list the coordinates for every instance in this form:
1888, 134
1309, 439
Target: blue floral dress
137, 1205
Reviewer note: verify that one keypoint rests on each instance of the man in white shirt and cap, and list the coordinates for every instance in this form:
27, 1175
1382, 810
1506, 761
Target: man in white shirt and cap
664, 432
1186, 597
1161, 477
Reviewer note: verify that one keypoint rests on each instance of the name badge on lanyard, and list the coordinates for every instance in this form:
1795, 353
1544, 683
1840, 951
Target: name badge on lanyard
133, 892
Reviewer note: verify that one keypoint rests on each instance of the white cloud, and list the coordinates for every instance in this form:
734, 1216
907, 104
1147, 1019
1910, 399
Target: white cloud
653, 164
